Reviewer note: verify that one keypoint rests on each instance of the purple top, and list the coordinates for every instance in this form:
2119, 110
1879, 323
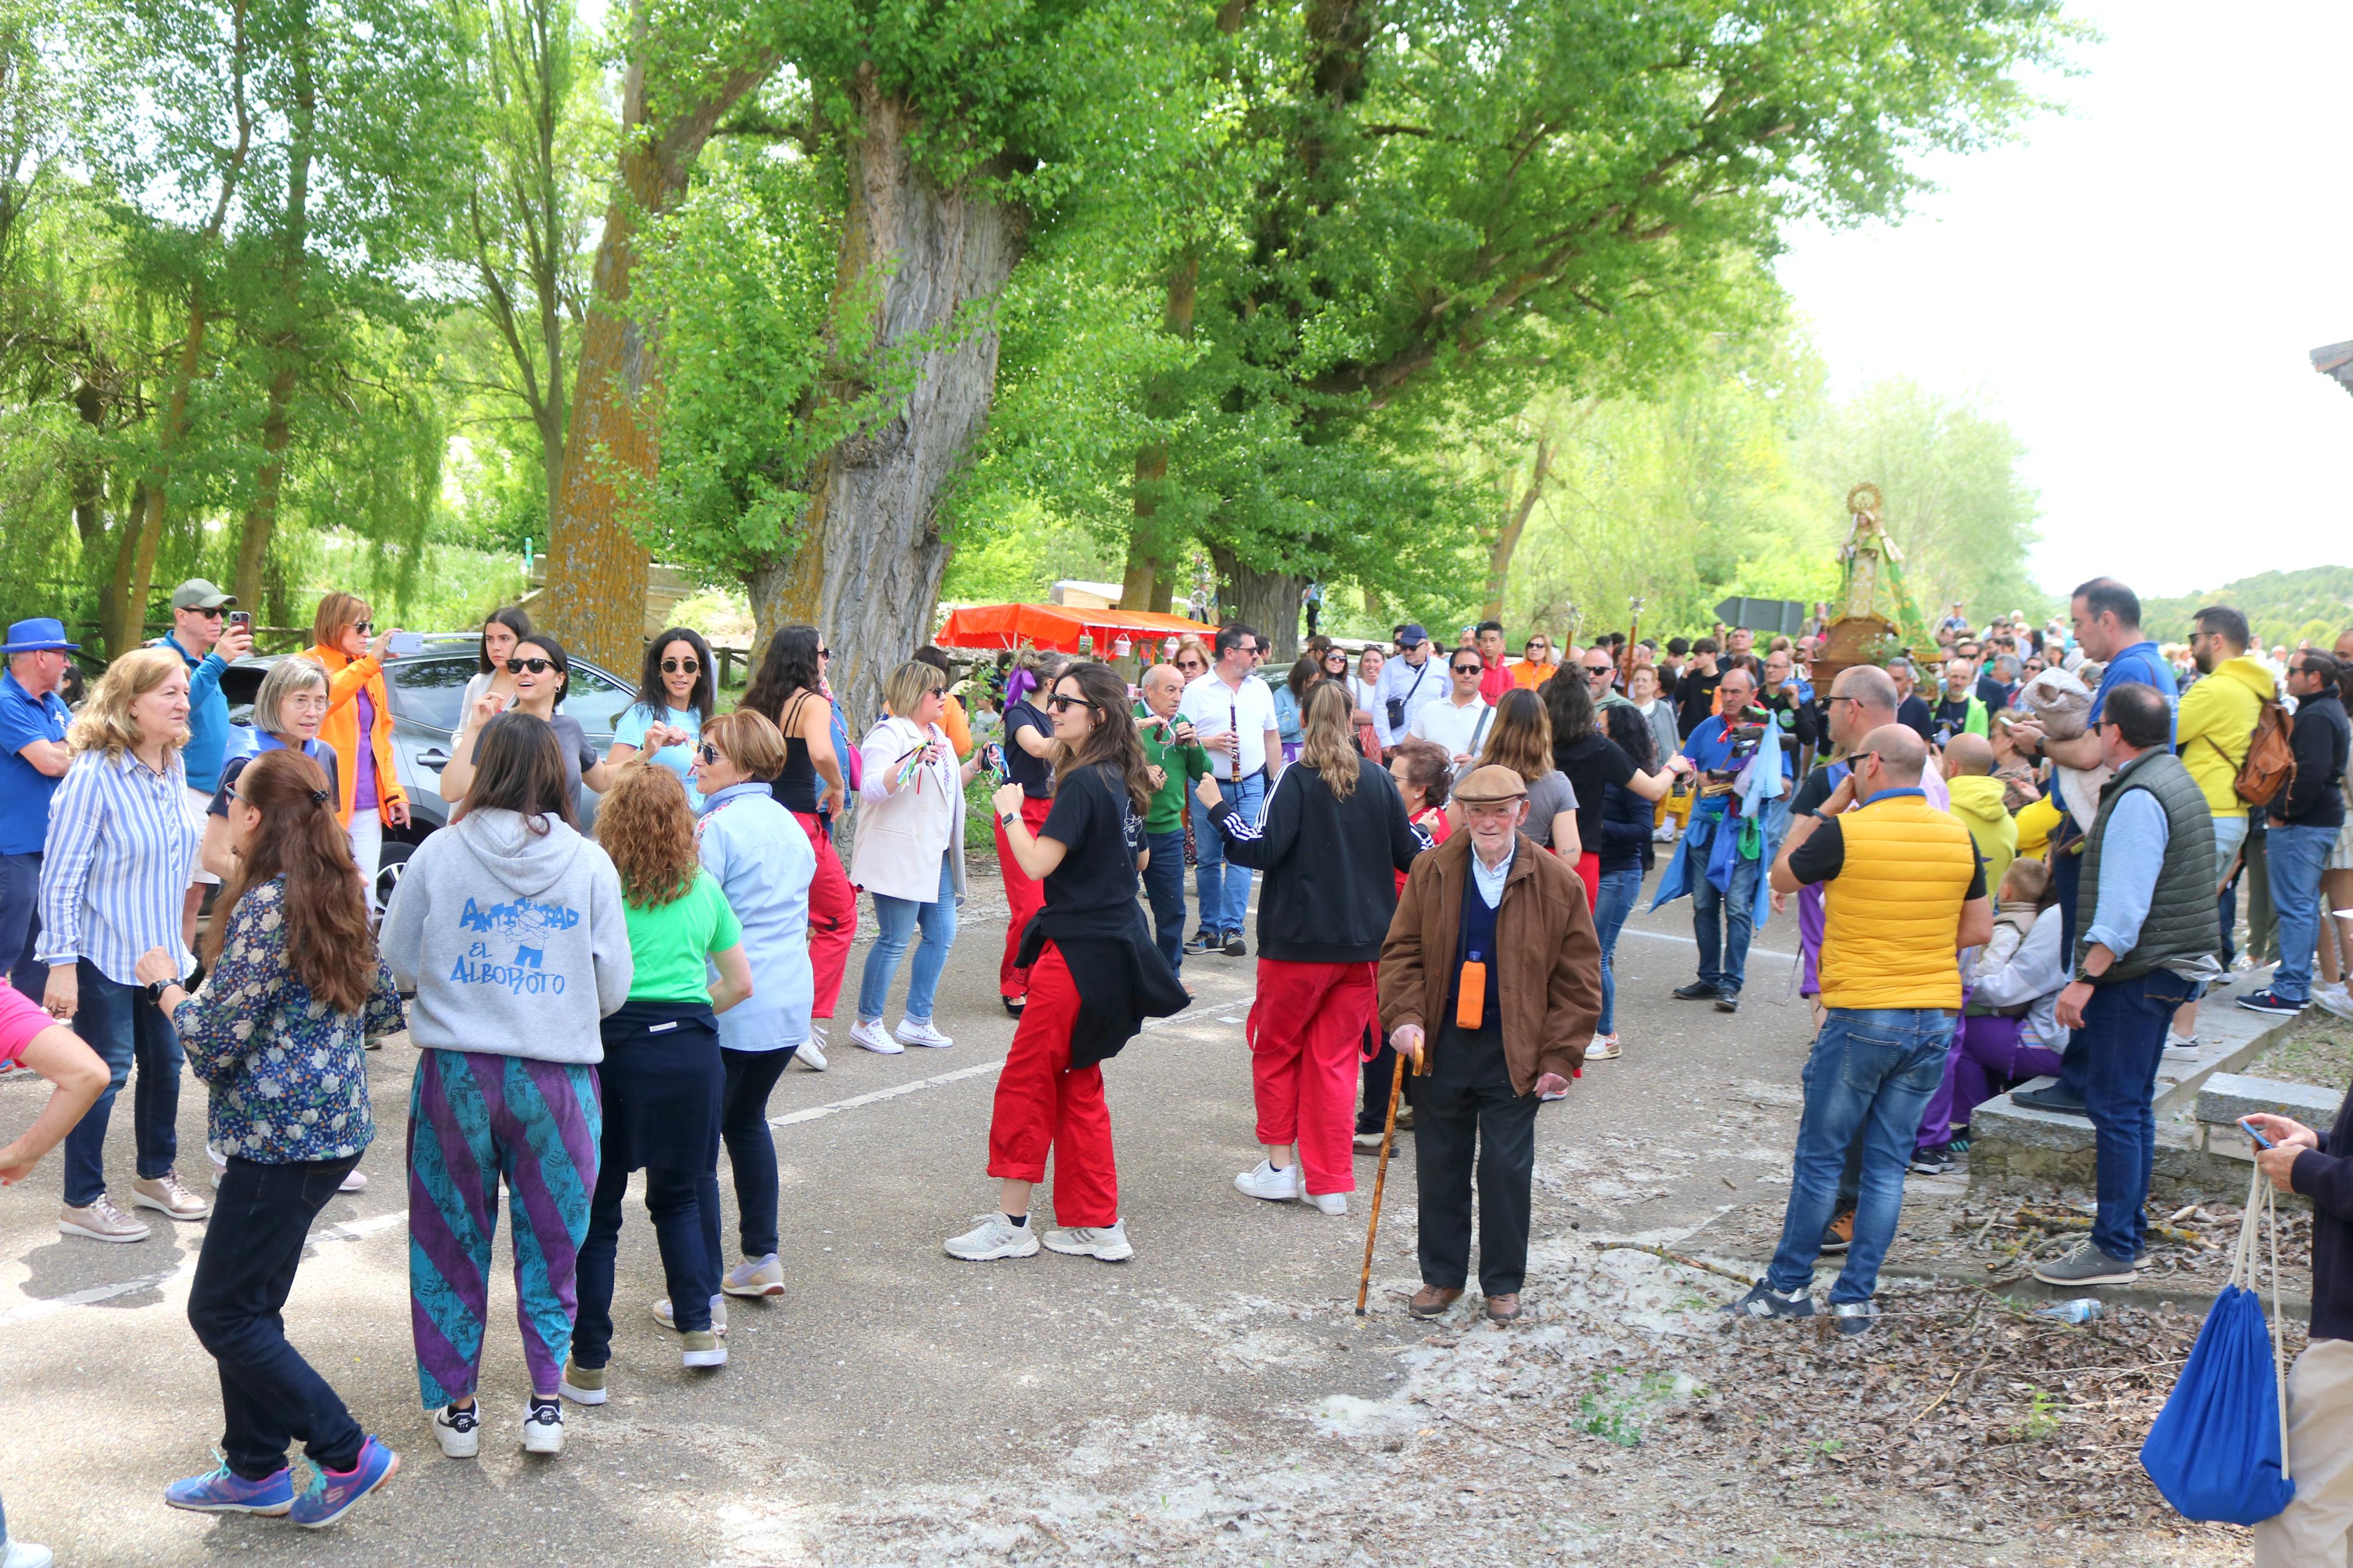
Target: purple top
363, 796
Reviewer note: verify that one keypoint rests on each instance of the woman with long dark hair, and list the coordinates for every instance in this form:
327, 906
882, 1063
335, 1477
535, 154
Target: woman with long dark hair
541, 669
1290, 703
1095, 977
661, 1078
293, 989
1331, 843
1593, 762
676, 692
1029, 751
511, 928
788, 692
1623, 854
501, 629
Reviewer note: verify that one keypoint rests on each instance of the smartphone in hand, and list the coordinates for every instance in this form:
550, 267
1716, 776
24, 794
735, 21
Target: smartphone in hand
2261, 1141
404, 645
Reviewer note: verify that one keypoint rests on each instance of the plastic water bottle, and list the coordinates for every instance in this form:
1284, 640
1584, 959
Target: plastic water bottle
2082, 1309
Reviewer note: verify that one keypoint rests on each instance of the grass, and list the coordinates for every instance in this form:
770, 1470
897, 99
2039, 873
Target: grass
1617, 1413
2317, 1049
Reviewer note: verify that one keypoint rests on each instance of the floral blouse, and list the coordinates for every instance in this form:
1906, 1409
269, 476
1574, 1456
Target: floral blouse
288, 1074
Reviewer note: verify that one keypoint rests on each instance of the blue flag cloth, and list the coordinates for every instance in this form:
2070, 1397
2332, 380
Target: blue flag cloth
2214, 1451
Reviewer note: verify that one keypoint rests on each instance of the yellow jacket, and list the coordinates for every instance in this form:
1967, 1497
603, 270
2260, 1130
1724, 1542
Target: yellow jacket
1893, 914
2216, 722
2036, 823
1976, 800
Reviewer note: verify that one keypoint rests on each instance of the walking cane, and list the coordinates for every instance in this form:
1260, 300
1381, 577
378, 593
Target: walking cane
1380, 1176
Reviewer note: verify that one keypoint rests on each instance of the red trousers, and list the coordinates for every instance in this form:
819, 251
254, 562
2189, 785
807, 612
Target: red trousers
832, 917
1043, 1103
1306, 1038
1589, 871
1023, 897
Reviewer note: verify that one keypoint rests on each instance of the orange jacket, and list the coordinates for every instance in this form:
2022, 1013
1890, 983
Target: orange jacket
346, 679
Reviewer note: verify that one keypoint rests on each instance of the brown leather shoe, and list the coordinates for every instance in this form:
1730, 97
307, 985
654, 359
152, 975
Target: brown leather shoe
1431, 1300
1504, 1309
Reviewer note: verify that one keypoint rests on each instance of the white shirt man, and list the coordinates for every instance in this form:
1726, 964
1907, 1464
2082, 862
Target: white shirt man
1460, 723
1230, 700
1414, 680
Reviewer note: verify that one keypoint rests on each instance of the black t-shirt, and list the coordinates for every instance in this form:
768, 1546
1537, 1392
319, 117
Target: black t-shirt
1034, 774
1824, 856
1795, 720
1818, 788
1695, 698
1948, 718
1589, 763
1913, 714
1100, 838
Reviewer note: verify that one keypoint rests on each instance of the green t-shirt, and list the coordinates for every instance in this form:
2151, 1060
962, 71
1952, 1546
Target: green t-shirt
1183, 763
669, 943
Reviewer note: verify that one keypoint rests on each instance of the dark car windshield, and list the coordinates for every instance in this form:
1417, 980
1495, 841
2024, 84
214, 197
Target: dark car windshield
431, 691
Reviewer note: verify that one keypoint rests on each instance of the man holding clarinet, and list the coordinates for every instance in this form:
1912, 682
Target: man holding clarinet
1232, 713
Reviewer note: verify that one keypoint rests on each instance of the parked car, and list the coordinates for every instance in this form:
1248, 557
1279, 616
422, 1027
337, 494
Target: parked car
427, 691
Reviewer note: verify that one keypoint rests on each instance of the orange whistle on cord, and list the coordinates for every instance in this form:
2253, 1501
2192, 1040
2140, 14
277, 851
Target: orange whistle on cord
1471, 996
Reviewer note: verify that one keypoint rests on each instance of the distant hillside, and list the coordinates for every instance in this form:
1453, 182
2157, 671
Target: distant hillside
2282, 606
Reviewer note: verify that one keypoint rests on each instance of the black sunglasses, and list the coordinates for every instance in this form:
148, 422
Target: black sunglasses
1188, 664
825, 653
688, 666
708, 753
363, 628
209, 612
1468, 669
1060, 704
536, 666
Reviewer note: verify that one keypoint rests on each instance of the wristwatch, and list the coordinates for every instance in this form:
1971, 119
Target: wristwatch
155, 992
1009, 817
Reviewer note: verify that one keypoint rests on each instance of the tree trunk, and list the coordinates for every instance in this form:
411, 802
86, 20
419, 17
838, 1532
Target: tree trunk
1142, 588
868, 561
595, 566
286, 344
1507, 537
1267, 600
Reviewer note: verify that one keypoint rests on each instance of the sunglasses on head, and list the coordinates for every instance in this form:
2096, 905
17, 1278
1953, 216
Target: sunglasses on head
682, 665
536, 666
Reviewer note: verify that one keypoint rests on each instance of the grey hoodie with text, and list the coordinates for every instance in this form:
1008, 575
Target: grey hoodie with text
515, 941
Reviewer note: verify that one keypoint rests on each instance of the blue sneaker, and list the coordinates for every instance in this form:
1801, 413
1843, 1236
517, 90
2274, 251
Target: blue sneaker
226, 1491
331, 1493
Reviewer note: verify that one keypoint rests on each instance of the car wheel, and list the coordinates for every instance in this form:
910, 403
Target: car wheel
390, 860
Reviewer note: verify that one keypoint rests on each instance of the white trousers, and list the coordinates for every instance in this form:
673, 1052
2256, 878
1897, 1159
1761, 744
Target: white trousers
367, 843
2316, 1530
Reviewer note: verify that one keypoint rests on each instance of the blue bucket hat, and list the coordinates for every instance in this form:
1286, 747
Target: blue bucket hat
42, 633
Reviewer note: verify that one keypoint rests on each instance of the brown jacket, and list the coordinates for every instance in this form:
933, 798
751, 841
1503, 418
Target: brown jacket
1550, 974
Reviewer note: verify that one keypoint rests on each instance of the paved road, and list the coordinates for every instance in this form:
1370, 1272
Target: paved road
887, 1368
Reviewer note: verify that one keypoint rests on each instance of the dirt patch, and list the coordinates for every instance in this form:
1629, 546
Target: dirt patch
2317, 1049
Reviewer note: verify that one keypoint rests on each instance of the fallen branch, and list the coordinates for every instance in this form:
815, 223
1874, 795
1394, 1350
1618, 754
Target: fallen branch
1940, 1399
2073, 1222
1661, 1252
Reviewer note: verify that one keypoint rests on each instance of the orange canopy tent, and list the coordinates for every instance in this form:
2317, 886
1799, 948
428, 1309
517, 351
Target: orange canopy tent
1059, 627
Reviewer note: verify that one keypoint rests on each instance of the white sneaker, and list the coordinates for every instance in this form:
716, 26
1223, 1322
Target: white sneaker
993, 1237
1329, 1203
867, 1033
701, 1349
2180, 1047
1263, 1181
811, 1054
458, 1431
1108, 1243
1604, 1048
354, 1183
2336, 999
1368, 1142
25, 1554
543, 1427
919, 1032
100, 1221
166, 1195
718, 1314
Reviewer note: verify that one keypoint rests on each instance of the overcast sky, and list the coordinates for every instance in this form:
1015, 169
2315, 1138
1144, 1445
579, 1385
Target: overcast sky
2134, 288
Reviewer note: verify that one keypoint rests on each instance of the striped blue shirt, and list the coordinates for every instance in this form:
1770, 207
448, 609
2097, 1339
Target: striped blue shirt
116, 865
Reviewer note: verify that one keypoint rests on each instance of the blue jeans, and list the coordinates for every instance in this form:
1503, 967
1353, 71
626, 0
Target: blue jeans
899, 918
1620, 890
1163, 888
20, 923
2122, 1041
1224, 887
1710, 918
120, 1024
1874, 1070
270, 1396
2298, 854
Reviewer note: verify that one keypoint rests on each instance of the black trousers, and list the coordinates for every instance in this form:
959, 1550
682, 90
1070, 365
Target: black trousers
1467, 1120
751, 1150
1373, 1111
269, 1394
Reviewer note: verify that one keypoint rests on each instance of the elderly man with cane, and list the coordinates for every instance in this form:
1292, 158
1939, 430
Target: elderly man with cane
1491, 967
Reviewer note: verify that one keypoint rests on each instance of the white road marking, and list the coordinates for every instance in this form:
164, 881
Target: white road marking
1689, 941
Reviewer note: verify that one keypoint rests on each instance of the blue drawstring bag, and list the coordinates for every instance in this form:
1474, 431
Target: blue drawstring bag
2219, 1448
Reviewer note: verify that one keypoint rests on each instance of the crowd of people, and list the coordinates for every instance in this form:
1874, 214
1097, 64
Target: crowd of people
2022, 865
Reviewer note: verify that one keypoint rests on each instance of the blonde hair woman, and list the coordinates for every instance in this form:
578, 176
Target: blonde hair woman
909, 853
358, 725
1331, 842
119, 850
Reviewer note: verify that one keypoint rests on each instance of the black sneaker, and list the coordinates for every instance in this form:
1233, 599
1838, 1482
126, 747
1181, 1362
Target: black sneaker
1234, 948
2270, 1001
1764, 1301
1934, 1162
1697, 991
1839, 1234
1201, 941
2051, 1098
1014, 1005
1727, 1002
1853, 1318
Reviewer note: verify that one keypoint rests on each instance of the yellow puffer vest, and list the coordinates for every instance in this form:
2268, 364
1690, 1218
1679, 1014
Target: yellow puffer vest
1892, 911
